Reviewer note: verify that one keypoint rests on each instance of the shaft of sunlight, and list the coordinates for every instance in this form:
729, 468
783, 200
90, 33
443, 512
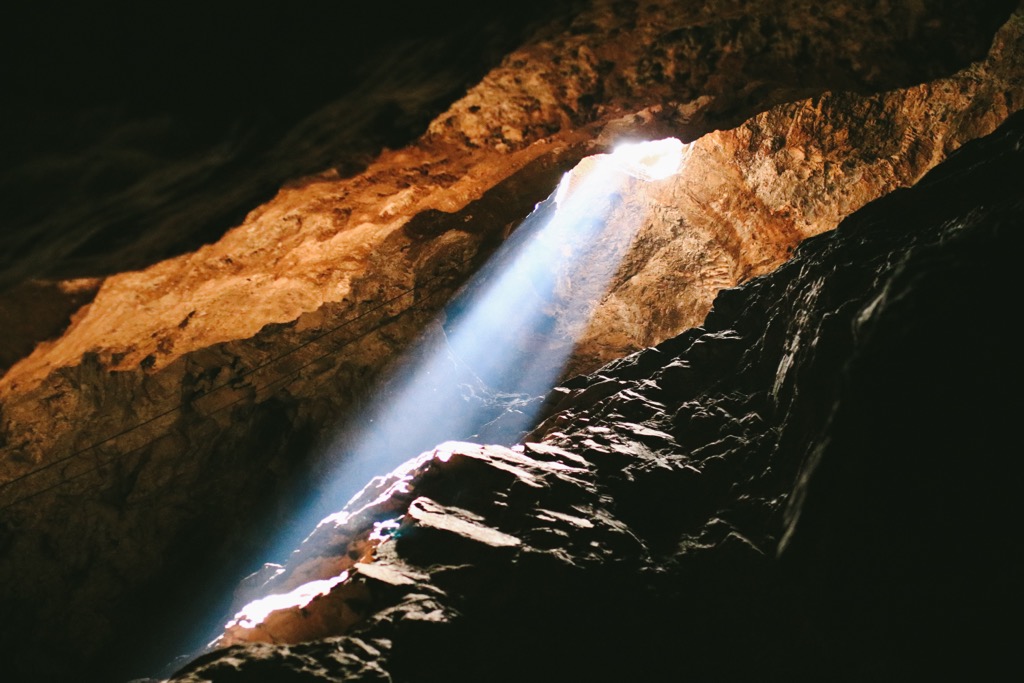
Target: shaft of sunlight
505, 338
481, 371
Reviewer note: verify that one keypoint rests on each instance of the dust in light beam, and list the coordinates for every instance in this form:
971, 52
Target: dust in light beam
507, 333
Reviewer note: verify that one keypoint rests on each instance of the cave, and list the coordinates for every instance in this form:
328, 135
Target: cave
578, 339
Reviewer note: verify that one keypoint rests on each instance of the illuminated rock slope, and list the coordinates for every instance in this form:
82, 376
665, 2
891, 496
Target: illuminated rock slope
152, 444
805, 487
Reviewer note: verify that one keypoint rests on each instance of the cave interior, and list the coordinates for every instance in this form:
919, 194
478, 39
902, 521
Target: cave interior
356, 311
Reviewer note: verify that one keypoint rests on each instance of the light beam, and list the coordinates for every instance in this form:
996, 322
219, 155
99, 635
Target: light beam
503, 340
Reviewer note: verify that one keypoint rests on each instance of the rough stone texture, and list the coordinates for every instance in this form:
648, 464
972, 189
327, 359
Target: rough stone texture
40, 310
749, 195
181, 407
806, 487
127, 140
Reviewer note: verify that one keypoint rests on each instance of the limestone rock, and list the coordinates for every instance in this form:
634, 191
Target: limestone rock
37, 311
804, 468
123, 146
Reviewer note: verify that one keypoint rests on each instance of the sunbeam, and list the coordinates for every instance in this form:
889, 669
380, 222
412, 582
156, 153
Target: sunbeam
499, 346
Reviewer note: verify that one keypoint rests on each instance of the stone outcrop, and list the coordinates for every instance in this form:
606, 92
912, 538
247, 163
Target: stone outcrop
805, 487
127, 140
181, 406
38, 310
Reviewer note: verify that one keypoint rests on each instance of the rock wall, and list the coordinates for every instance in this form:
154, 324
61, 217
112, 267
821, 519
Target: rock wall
128, 139
791, 491
176, 418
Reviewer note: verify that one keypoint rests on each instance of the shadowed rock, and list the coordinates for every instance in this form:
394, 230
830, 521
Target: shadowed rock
826, 498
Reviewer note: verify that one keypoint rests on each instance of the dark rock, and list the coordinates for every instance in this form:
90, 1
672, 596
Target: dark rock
865, 530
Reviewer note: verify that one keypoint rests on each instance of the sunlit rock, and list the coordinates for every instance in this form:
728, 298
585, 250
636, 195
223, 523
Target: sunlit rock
692, 493
172, 430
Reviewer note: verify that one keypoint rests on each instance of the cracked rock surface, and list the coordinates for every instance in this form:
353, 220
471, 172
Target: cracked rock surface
787, 492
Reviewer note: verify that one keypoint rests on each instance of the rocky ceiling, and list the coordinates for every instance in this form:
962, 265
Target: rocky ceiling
813, 481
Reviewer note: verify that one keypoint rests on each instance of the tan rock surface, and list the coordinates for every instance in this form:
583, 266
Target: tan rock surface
40, 310
749, 195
